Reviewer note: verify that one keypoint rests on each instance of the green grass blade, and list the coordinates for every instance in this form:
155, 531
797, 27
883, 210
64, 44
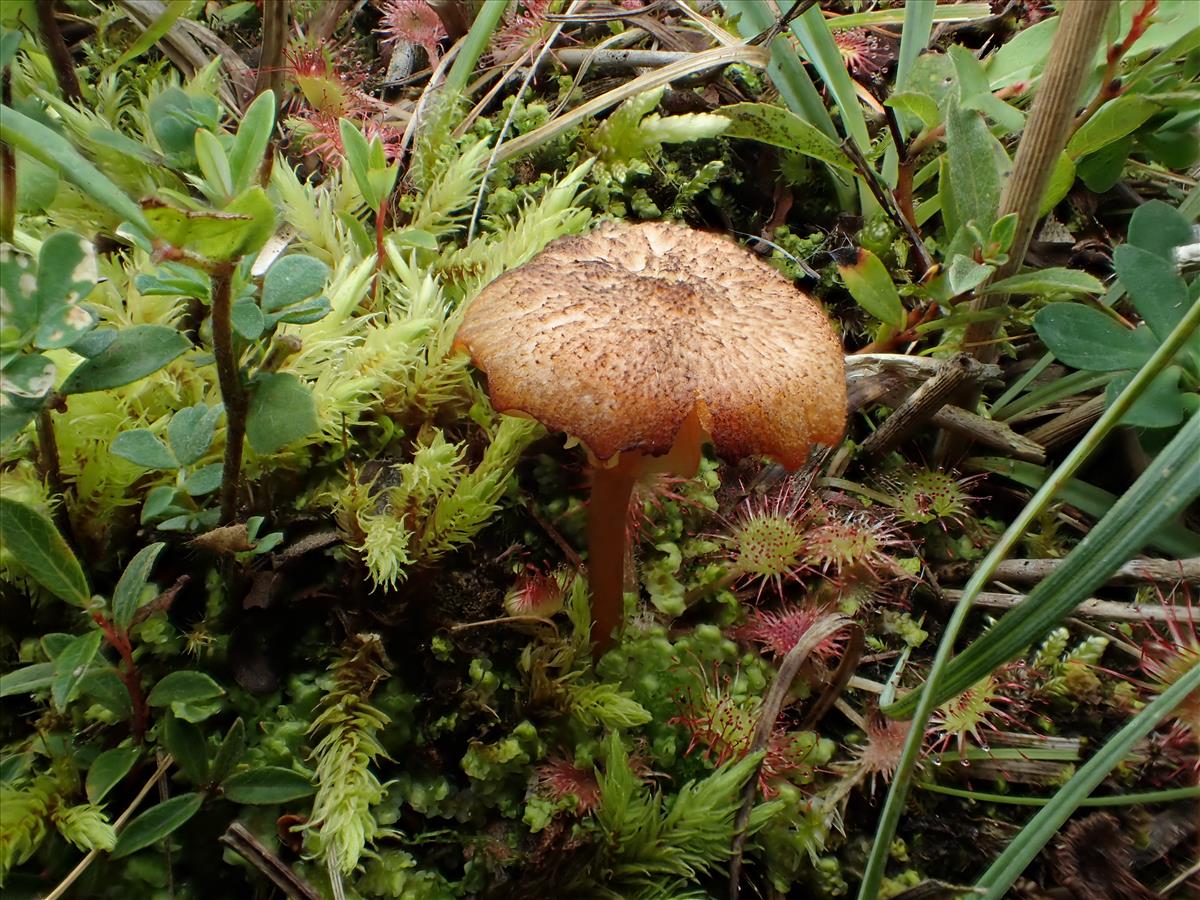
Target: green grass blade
918, 23
822, 51
923, 700
1008, 867
1171, 795
476, 41
1170, 483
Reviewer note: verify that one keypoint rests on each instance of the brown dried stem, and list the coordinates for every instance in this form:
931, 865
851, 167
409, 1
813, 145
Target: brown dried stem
229, 377
56, 49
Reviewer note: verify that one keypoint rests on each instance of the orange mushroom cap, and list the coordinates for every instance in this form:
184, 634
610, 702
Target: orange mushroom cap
616, 337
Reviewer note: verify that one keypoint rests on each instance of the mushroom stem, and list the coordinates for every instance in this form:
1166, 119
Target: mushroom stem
612, 489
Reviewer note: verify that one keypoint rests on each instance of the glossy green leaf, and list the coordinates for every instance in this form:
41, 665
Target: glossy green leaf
103, 685
291, 279
1062, 179
156, 823
230, 753
36, 544
872, 288
27, 679
1154, 287
1085, 338
107, 770
214, 164
964, 274
781, 128
1114, 120
266, 785
186, 743
71, 665
184, 686
51, 149
357, 156
127, 595
241, 228
137, 351
1047, 281
142, 448
281, 411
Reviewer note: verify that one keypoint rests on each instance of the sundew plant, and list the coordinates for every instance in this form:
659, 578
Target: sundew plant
299, 597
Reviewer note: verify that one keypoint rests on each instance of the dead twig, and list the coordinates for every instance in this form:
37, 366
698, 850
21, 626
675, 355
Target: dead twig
279, 873
990, 433
1107, 610
1136, 571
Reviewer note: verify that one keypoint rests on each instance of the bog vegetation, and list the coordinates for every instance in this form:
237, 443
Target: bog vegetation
290, 610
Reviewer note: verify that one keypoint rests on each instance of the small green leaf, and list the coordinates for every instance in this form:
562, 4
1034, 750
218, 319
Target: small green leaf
127, 594
40, 549
204, 480
29, 377
103, 685
976, 166
1003, 231
357, 155
214, 164
66, 270
27, 680
9, 43
266, 786
136, 352
1155, 288
71, 665
281, 411
1161, 404
186, 743
142, 448
1062, 178
156, 823
917, 104
253, 136
873, 289
107, 770
229, 754
248, 320
292, 279
1047, 281
184, 686
148, 38
191, 431
965, 274
1115, 119
1159, 228
1085, 338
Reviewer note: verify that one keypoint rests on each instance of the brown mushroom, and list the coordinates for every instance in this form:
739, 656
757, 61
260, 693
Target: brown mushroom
641, 341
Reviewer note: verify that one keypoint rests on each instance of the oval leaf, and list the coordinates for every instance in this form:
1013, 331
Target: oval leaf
135, 352
156, 823
107, 770
292, 279
266, 785
71, 665
41, 550
185, 686
128, 592
1085, 338
1047, 281
142, 448
1155, 288
872, 288
281, 411
27, 680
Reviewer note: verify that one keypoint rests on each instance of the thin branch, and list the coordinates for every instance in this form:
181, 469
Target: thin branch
990, 433
1108, 610
229, 376
56, 49
1136, 571
279, 873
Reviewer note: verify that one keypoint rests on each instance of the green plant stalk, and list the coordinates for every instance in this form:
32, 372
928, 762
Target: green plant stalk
924, 699
475, 42
1146, 797
996, 881
229, 377
50, 465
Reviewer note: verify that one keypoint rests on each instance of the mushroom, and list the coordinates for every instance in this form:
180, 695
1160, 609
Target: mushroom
643, 341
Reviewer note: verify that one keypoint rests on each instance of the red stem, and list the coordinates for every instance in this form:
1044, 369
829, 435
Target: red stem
118, 639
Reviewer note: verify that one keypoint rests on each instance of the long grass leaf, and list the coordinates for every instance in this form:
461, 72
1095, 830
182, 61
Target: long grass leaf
1008, 867
921, 703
